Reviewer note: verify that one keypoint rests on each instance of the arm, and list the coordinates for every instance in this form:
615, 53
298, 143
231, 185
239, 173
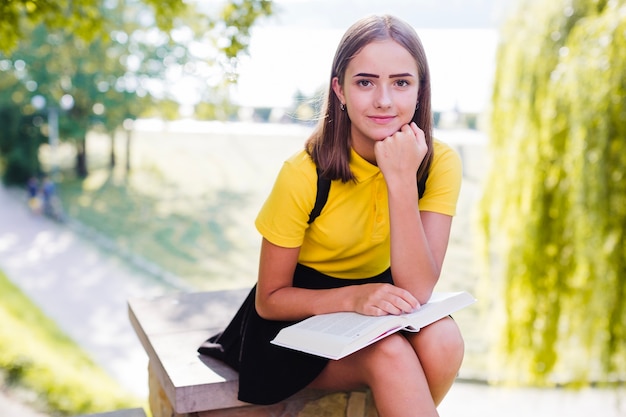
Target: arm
277, 299
418, 240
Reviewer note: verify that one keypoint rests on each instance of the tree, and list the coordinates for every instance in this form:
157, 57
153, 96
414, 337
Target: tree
81, 17
554, 206
112, 77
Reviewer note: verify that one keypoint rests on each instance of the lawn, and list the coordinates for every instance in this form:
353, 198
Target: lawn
36, 356
188, 205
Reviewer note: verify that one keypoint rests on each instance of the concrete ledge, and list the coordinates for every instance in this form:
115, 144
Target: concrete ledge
133, 412
170, 329
184, 383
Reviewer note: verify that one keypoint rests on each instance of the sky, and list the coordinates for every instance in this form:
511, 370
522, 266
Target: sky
293, 49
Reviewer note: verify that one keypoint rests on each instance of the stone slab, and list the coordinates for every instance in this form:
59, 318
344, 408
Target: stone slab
132, 412
170, 329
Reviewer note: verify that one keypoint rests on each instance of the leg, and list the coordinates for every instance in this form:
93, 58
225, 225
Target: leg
440, 349
393, 372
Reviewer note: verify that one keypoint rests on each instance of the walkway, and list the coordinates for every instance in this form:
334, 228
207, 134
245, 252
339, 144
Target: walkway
77, 284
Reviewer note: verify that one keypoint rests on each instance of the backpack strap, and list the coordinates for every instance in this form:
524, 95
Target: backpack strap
323, 188
421, 185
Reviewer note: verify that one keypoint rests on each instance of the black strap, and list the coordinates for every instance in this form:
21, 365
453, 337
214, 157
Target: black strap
421, 185
323, 188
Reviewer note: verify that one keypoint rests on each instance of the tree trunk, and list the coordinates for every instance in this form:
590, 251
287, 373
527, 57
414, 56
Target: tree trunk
112, 151
129, 134
81, 159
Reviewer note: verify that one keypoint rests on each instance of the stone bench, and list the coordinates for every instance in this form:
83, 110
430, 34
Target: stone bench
131, 412
183, 383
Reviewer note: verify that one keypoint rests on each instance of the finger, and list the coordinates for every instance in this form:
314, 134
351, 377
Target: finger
416, 129
389, 308
374, 311
407, 130
405, 306
404, 295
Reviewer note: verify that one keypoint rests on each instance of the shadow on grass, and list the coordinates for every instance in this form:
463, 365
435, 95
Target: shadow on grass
197, 238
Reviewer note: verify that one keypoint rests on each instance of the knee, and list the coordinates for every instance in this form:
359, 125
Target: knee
390, 351
443, 339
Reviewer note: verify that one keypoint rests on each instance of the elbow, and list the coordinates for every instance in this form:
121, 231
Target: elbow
426, 288
424, 295
263, 310
266, 309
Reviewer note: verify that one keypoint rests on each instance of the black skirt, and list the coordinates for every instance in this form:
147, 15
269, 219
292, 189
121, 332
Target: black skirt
268, 373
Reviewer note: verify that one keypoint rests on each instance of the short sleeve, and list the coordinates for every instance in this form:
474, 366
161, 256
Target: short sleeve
443, 185
283, 217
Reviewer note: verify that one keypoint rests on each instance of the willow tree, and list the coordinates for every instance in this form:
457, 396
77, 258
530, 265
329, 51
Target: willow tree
553, 212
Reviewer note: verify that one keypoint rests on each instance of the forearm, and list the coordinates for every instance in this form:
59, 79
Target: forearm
278, 299
291, 303
413, 264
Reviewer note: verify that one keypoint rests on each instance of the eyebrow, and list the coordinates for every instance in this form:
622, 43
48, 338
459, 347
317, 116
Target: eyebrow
364, 74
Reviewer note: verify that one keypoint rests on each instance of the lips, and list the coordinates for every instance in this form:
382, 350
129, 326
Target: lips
382, 120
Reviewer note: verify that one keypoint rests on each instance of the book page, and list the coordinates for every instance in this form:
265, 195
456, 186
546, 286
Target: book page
440, 305
348, 325
335, 335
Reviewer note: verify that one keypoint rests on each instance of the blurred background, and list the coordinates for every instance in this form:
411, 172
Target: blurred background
139, 138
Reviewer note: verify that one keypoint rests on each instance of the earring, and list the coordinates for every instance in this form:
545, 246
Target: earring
342, 106
417, 106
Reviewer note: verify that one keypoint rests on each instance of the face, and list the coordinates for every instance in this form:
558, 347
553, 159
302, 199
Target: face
380, 93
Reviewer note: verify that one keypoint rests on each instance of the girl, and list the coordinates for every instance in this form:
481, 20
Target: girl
376, 248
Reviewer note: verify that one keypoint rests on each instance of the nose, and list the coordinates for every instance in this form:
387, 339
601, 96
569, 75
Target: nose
383, 97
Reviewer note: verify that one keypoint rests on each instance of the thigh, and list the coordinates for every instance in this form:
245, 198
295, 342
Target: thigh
391, 354
444, 333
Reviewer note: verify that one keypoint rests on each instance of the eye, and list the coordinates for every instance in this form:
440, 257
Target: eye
363, 83
403, 83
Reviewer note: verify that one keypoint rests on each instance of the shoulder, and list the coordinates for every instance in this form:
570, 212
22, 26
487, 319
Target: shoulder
301, 160
296, 181
284, 215
445, 154
446, 161
298, 169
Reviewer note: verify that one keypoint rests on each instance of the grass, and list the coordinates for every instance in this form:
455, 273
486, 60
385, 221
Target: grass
37, 356
183, 210
191, 239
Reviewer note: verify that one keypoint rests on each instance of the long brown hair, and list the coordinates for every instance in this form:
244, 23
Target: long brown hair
329, 144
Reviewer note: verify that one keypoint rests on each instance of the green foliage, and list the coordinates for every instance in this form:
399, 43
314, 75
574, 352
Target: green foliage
36, 355
554, 209
20, 16
237, 18
113, 61
82, 18
21, 160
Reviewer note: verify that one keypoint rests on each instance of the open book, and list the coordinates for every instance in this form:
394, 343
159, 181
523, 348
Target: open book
336, 335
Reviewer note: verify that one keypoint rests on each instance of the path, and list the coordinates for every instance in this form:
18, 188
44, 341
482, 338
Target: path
81, 287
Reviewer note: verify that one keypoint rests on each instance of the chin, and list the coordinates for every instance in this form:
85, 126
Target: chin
384, 134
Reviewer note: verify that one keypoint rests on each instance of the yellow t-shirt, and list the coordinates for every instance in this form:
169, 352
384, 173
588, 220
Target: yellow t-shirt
350, 239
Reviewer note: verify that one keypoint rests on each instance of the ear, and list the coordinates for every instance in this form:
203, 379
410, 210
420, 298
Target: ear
338, 89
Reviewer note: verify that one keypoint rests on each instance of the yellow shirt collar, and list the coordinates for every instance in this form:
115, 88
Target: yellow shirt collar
361, 168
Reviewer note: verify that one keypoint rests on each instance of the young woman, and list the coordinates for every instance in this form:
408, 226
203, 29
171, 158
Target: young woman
376, 248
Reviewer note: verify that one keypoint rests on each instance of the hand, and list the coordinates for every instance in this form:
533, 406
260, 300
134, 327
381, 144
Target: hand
400, 155
383, 299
